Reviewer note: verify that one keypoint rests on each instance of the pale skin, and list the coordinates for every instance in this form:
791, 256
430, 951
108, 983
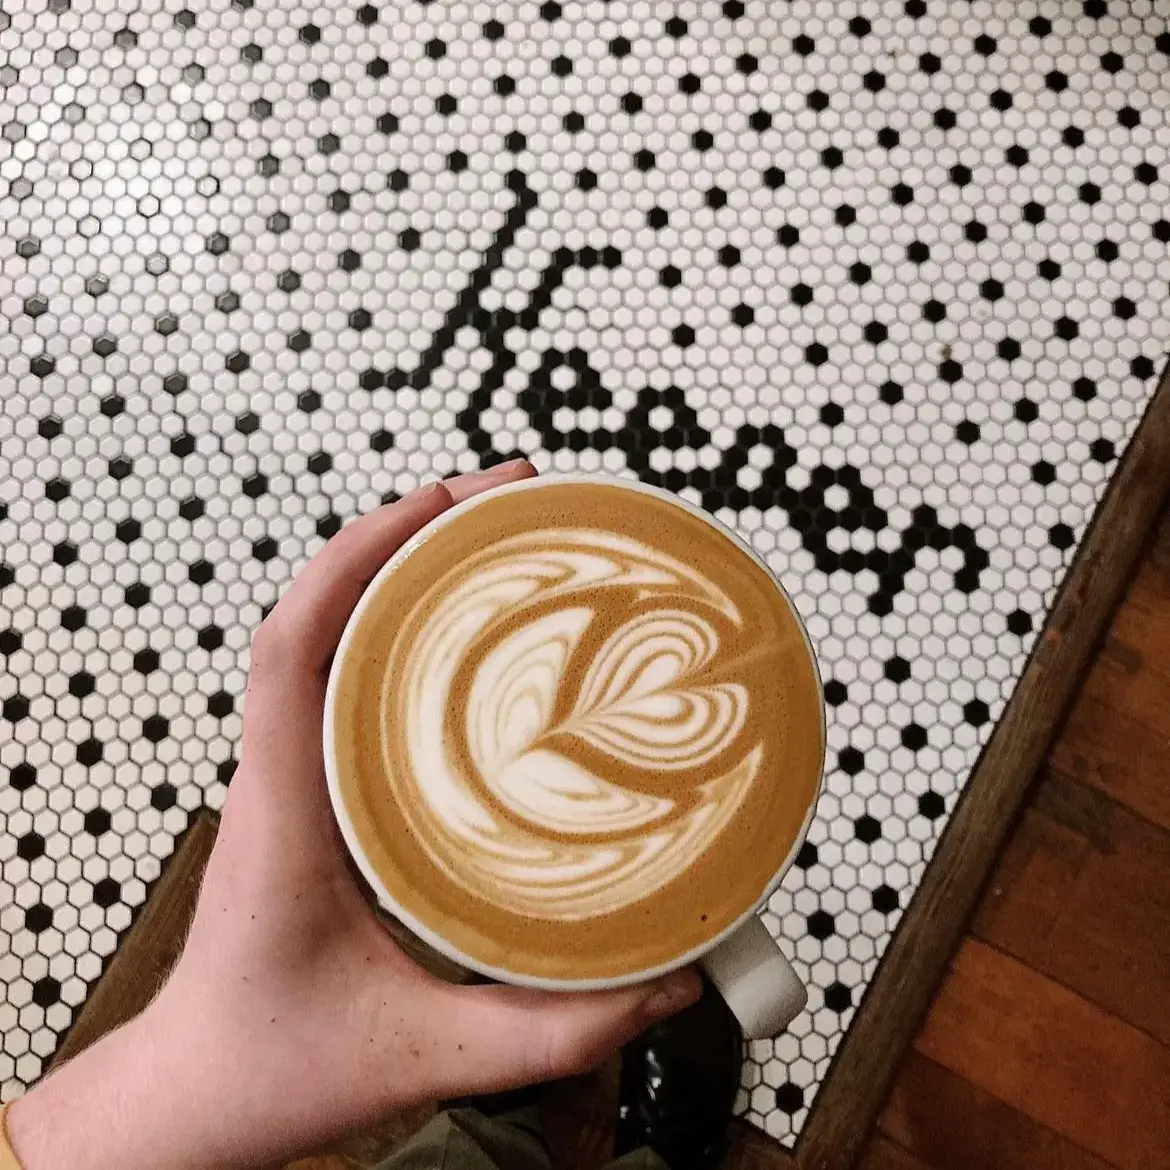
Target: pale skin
292, 1018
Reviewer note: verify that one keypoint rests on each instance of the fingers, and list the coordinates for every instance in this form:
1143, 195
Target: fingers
513, 1036
305, 627
462, 487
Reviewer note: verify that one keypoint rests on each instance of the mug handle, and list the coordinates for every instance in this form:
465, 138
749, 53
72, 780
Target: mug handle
755, 980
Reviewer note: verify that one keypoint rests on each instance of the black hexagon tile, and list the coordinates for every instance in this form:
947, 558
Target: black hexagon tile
882, 285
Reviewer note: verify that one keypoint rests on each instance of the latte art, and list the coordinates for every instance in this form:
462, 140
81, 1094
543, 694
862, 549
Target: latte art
524, 816
575, 730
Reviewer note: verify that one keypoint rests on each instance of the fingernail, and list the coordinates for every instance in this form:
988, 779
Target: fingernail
505, 468
672, 993
493, 474
425, 491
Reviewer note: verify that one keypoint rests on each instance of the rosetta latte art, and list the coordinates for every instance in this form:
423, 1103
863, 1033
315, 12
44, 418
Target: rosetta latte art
504, 803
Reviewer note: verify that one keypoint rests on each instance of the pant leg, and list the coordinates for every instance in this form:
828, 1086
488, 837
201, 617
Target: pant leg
643, 1158
464, 1139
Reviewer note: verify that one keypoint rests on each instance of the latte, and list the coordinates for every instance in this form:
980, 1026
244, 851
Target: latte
576, 729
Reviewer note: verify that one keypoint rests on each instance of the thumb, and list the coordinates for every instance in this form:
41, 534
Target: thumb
517, 1036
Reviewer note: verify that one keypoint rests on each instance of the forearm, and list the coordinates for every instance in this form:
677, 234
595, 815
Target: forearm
105, 1108
192, 1085
133, 1101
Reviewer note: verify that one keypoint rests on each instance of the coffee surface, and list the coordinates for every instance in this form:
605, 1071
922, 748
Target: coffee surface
578, 731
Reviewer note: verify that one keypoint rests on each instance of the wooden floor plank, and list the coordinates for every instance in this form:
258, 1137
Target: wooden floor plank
1132, 672
1082, 894
883, 1154
1143, 622
1053, 1055
751, 1149
1123, 680
1128, 760
1144, 617
950, 1124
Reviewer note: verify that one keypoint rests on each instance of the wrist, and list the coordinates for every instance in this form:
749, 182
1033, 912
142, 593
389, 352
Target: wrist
97, 1111
138, 1097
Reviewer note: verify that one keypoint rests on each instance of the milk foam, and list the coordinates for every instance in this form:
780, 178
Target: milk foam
525, 824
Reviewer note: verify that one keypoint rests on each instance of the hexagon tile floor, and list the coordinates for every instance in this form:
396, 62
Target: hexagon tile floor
881, 282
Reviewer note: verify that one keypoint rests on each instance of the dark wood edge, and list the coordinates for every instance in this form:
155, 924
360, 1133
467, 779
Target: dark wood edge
751, 1149
148, 950
851, 1096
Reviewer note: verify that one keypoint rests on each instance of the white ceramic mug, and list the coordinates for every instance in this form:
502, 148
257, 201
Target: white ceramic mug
743, 960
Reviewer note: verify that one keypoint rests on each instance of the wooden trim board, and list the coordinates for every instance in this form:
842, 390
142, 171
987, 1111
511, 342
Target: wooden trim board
843, 1113
847, 1104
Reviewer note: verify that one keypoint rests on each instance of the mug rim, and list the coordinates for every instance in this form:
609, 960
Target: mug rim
341, 814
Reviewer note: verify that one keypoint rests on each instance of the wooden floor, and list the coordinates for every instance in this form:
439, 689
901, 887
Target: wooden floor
1047, 1046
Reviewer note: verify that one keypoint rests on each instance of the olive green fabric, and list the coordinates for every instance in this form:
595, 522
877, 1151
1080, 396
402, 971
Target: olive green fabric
464, 1139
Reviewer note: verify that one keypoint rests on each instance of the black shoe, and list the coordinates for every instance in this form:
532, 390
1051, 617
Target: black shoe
678, 1086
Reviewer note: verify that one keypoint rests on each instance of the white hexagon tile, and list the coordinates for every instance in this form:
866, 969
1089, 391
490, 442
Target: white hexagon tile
880, 282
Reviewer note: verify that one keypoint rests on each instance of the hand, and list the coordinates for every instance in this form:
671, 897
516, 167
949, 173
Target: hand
292, 1016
